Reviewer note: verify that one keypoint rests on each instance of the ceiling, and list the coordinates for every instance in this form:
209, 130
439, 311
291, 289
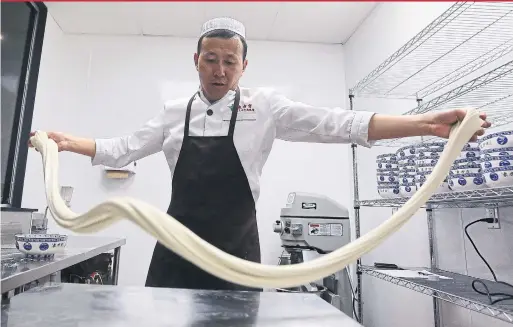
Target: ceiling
318, 22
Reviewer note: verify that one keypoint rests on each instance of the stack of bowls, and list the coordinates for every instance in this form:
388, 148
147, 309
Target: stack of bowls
427, 156
387, 175
466, 171
497, 159
407, 171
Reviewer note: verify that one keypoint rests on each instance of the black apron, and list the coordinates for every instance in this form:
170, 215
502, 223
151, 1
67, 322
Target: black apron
210, 196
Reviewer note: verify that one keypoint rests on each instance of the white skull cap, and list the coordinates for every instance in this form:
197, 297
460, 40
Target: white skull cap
224, 23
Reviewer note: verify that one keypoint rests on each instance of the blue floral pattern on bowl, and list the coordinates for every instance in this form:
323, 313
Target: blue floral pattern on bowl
406, 151
492, 162
499, 139
499, 151
498, 169
472, 180
499, 176
387, 157
466, 160
40, 245
43, 246
387, 178
408, 162
498, 134
384, 170
432, 144
431, 153
388, 165
470, 154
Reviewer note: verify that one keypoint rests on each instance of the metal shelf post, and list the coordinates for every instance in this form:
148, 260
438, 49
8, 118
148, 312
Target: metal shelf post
356, 206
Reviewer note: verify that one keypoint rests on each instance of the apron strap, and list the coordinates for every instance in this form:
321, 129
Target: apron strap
235, 109
233, 118
188, 117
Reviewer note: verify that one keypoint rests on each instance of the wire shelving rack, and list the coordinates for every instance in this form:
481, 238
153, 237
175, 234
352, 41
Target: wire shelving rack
491, 92
456, 290
437, 69
465, 38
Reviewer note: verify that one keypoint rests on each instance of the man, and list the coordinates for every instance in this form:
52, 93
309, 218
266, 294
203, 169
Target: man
217, 142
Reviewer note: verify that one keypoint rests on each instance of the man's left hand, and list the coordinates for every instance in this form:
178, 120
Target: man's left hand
440, 123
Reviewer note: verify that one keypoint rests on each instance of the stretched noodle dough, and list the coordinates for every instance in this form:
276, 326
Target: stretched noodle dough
185, 243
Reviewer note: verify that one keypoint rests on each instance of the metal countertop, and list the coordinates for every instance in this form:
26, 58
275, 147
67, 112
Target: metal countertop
78, 249
77, 305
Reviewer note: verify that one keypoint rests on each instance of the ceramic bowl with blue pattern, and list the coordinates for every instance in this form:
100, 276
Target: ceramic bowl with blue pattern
387, 165
389, 192
467, 163
497, 152
503, 139
470, 145
498, 176
422, 177
495, 162
407, 161
404, 178
387, 157
405, 151
387, 177
424, 153
406, 190
408, 171
40, 245
466, 166
388, 189
471, 153
432, 145
421, 162
466, 182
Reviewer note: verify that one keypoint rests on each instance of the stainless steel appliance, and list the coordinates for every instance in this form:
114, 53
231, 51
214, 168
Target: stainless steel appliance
313, 222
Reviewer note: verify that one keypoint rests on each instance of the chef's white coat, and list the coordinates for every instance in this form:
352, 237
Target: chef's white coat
263, 115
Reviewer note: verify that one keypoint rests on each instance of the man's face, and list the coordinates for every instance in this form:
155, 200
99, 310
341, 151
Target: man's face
220, 66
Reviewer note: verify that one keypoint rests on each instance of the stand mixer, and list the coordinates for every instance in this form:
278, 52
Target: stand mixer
316, 224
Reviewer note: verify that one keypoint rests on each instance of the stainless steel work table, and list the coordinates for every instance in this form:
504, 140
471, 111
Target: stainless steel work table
77, 305
78, 249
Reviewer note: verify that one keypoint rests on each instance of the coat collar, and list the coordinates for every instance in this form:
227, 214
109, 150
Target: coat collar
230, 95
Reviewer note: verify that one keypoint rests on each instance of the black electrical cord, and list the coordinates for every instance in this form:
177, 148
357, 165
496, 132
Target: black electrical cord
354, 292
354, 307
505, 296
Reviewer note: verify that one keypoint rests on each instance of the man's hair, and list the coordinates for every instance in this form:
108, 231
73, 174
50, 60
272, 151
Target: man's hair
225, 34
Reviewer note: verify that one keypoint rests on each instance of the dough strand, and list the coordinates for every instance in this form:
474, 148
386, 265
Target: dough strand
185, 243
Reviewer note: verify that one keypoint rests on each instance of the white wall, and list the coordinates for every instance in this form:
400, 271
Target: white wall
385, 304
108, 86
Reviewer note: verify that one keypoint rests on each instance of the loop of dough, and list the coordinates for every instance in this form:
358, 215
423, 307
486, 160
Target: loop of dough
185, 243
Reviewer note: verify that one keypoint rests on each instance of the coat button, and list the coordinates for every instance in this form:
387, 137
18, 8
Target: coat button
209, 112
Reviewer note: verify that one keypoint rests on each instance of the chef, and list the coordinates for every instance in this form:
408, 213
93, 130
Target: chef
217, 141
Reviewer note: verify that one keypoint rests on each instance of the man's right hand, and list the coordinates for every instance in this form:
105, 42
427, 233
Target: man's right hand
67, 142
62, 140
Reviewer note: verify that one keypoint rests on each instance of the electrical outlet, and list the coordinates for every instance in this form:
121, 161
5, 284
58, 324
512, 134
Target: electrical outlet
493, 213
495, 225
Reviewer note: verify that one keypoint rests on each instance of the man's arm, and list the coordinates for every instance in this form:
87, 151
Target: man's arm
117, 151
120, 151
300, 122
80, 145
389, 127
296, 121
